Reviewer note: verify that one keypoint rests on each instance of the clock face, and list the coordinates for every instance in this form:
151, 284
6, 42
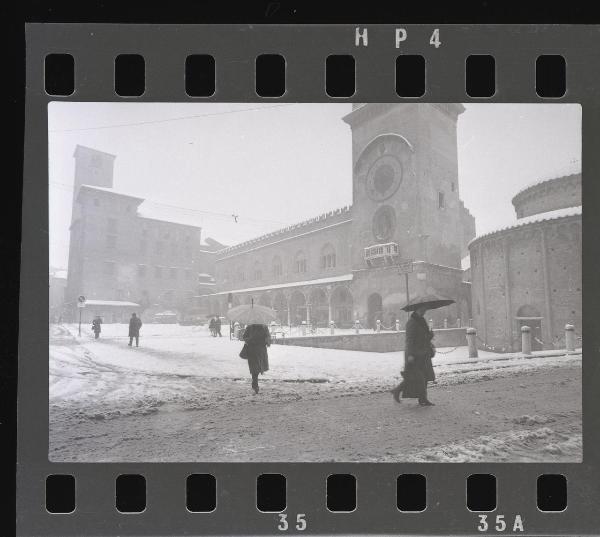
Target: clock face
384, 178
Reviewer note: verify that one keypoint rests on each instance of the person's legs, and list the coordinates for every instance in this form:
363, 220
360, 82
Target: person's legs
137, 341
130, 341
255, 382
397, 391
423, 401
96, 335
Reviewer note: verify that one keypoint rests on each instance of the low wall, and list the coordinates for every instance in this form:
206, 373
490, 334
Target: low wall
372, 342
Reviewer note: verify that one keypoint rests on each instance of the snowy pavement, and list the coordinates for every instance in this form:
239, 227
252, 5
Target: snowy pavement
103, 383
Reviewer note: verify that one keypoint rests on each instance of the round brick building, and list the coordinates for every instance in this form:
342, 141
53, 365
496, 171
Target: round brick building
529, 271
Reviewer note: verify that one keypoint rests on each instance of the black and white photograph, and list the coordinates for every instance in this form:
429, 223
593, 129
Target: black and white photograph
315, 282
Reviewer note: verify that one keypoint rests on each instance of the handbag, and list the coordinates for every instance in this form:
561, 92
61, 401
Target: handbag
244, 352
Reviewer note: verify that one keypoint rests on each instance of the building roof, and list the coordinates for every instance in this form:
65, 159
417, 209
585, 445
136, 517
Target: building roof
151, 211
312, 224
533, 219
111, 191
118, 303
540, 182
332, 279
86, 149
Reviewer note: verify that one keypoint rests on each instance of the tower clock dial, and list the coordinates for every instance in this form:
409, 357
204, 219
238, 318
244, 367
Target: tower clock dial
384, 178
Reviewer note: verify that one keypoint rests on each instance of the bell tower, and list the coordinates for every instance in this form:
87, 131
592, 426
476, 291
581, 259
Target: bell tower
406, 202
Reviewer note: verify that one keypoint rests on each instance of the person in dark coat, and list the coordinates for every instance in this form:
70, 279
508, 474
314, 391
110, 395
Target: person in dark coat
218, 327
418, 352
96, 327
135, 323
211, 326
256, 340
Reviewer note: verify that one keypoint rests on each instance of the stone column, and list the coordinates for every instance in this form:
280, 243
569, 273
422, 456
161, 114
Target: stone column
378, 326
472, 342
570, 337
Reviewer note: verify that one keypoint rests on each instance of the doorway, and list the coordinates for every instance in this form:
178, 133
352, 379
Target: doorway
374, 308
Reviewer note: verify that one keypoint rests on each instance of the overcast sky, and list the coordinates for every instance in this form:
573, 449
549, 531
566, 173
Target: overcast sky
277, 164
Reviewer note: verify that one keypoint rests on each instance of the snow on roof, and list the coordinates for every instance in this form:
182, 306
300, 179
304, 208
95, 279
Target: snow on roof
154, 211
533, 219
110, 303
333, 279
347, 209
111, 191
465, 262
542, 181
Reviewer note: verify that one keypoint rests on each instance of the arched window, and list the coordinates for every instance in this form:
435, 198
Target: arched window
240, 274
300, 263
277, 267
328, 259
257, 271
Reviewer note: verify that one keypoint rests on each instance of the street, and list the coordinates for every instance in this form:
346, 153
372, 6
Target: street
184, 396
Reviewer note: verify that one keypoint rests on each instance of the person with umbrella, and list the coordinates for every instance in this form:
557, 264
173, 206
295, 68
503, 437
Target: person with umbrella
418, 350
256, 337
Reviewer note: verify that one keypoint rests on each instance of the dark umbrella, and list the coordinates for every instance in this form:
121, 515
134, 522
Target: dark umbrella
430, 302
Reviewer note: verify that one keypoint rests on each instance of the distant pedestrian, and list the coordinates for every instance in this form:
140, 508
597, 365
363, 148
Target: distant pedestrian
218, 327
135, 323
256, 341
96, 327
211, 326
418, 352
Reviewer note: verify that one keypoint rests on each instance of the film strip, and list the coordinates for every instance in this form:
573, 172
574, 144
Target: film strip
91, 465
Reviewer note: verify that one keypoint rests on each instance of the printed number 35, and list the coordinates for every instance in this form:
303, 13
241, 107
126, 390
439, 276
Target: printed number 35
300, 522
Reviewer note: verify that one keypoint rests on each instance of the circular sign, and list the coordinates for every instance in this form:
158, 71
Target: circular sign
384, 177
81, 298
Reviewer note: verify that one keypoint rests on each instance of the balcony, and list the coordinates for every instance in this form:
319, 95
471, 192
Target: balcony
382, 254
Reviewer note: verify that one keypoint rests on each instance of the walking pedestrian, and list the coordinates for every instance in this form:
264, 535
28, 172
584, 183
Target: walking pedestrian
256, 340
418, 351
211, 326
96, 327
135, 323
218, 327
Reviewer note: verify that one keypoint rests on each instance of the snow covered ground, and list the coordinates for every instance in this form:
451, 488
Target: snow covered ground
182, 368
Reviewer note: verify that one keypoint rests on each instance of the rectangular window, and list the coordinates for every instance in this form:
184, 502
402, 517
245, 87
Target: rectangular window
112, 225
119, 294
96, 202
143, 246
441, 201
142, 271
173, 273
159, 247
157, 272
109, 268
111, 241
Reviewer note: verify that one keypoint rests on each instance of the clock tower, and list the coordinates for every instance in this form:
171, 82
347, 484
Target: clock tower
405, 184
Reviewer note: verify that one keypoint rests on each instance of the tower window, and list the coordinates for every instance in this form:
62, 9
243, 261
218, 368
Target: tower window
441, 201
452, 186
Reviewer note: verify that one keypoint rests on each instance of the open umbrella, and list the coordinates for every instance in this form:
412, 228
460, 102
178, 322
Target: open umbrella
252, 314
430, 302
